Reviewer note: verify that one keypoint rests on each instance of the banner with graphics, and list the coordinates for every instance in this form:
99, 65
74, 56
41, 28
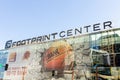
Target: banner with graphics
18, 60
39, 61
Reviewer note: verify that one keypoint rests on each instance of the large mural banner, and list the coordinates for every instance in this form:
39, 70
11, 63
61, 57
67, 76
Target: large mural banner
42, 61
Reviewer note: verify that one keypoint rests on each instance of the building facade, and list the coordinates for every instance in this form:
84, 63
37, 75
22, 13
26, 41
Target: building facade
93, 56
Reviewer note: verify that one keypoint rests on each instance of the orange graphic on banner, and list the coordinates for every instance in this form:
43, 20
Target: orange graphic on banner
54, 58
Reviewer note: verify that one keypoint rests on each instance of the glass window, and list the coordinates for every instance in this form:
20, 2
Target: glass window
93, 38
117, 41
98, 40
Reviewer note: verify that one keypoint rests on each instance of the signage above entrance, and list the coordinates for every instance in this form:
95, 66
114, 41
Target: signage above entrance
62, 34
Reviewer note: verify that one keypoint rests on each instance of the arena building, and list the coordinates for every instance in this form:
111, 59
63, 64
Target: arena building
90, 56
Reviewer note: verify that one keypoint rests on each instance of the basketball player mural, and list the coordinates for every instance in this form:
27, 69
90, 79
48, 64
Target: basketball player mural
60, 59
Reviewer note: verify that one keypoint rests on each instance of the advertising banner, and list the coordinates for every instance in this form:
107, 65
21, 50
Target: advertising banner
18, 59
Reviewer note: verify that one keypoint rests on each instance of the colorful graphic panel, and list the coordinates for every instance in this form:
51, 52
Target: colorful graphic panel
3, 60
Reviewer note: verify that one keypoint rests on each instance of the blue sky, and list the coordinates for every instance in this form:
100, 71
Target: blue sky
22, 19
